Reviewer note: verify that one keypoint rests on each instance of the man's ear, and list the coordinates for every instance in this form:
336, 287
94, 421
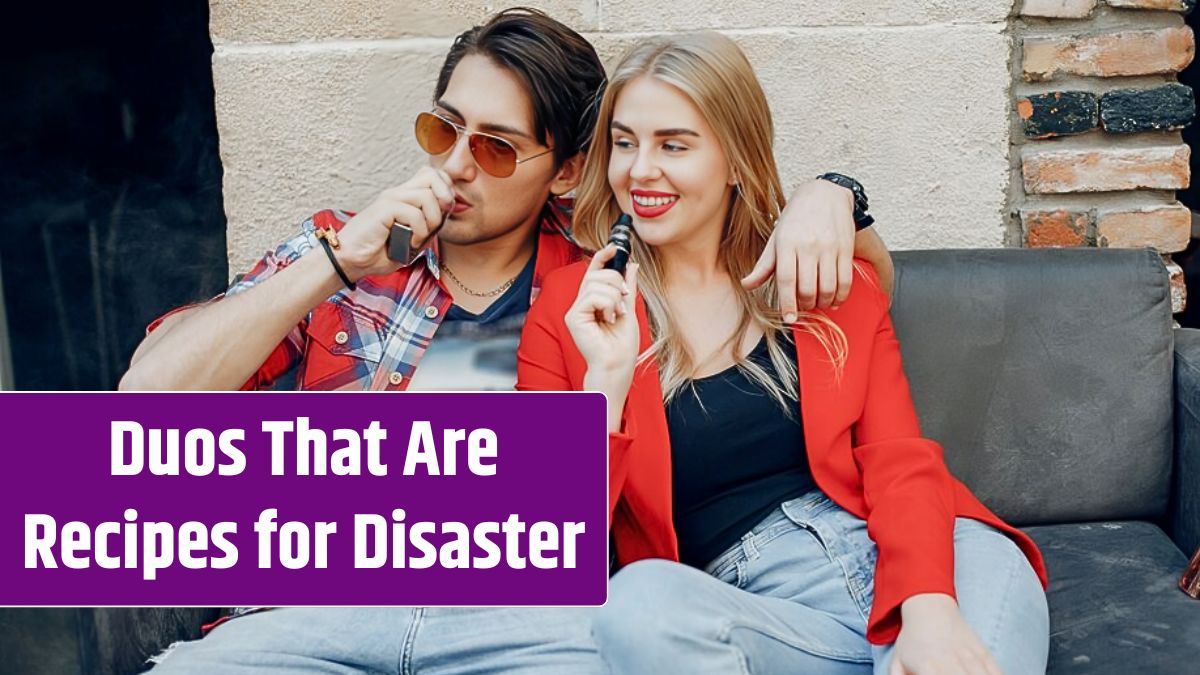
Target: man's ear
568, 176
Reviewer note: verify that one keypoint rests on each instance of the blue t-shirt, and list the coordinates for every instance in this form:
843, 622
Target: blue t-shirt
478, 352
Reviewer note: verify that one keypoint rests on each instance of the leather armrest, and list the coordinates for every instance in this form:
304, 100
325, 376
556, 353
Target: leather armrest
1184, 515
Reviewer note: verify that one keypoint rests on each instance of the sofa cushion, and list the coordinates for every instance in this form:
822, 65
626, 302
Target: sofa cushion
1115, 604
1045, 374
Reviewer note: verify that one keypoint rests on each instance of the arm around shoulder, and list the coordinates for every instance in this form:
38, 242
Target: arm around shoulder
869, 246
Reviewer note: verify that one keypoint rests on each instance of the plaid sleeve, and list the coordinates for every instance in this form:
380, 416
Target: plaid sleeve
287, 353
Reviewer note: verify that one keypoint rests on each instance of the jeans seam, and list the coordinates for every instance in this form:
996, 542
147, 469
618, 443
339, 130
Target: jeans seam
845, 558
812, 530
990, 640
750, 548
719, 571
405, 666
844, 554
806, 523
770, 534
727, 560
855, 583
725, 635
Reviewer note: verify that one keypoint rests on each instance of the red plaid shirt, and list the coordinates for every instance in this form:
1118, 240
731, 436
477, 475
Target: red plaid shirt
372, 338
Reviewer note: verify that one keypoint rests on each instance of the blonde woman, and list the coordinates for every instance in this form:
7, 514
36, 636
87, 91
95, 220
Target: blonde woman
774, 506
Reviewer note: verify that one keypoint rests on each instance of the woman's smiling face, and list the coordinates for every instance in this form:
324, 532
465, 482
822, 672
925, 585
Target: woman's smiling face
667, 168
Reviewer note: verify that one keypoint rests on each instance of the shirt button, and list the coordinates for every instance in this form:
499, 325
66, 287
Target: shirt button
395, 378
342, 337
431, 312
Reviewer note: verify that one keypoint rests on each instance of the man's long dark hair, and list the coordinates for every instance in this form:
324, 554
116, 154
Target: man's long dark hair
560, 69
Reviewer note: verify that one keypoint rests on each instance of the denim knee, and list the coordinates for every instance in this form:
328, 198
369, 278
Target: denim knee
1002, 596
647, 600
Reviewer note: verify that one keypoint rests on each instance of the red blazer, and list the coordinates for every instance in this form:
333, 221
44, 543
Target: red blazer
864, 446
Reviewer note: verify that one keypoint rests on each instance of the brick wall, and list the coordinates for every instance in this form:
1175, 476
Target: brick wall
1097, 151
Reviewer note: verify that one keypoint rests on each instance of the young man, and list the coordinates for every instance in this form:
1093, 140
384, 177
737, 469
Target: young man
512, 117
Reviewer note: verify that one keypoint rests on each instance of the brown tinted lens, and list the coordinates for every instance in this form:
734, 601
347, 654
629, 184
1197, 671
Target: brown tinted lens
495, 156
435, 134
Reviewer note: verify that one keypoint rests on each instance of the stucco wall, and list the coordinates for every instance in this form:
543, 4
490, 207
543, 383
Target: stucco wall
315, 100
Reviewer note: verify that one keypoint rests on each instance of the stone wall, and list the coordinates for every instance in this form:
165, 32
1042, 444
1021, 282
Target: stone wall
973, 124
315, 100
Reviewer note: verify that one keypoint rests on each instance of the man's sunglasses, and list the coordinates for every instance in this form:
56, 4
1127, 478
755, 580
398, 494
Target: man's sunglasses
494, 155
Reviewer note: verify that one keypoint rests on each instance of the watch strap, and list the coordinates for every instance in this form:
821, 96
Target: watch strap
862, 219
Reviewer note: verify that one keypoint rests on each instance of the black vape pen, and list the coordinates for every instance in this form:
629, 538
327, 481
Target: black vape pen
622, 237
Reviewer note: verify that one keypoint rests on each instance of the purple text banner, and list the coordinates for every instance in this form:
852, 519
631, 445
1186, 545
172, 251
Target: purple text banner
272, 499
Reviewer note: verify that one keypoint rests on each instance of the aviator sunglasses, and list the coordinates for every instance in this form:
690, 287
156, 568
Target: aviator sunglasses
494, 155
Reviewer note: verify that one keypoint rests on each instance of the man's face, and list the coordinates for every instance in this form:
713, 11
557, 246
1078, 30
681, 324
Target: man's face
482, 96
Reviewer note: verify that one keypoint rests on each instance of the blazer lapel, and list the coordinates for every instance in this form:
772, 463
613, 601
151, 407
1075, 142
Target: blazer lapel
651, 491
826, 412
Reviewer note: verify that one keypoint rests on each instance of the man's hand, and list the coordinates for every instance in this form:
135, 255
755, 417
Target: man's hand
812, 250
935, 640
419, 204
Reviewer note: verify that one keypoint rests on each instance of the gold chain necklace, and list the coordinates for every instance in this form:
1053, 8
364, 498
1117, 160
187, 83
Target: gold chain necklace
488, 294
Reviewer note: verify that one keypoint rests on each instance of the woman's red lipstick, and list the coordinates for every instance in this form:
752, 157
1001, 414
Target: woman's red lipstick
651, 211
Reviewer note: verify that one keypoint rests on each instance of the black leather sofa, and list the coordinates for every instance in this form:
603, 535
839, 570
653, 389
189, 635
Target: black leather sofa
1063, 397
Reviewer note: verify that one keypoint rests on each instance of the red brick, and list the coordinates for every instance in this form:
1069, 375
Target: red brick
1165, 228
1054, 228
1105, 169
1146, 52
1058, 9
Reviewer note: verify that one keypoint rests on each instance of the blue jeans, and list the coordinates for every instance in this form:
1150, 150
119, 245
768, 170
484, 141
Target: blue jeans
794, 594
396, 640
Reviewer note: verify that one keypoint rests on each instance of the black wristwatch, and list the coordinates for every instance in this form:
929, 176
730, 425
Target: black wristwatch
862, 219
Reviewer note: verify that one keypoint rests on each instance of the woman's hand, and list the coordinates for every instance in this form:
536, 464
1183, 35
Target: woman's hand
936, 640
603, 323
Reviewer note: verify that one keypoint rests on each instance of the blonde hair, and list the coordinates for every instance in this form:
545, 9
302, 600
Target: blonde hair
712, 71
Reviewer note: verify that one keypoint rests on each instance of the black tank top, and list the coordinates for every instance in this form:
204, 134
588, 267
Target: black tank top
735, 455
